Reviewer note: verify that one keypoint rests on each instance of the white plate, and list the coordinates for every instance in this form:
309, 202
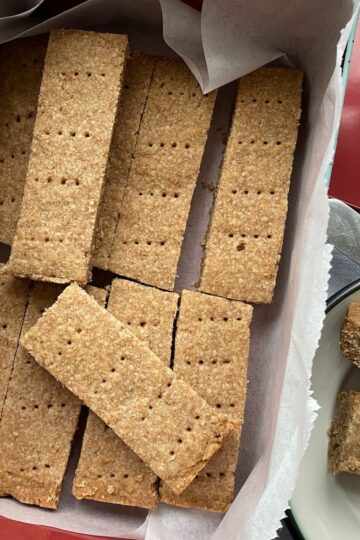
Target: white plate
327, 507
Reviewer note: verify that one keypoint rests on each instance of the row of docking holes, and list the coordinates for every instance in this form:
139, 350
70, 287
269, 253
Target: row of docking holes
12, 156
266, 101
47, 466
13, 199
151, 407
86, 73
251, 192
204, 475
35, 61
243, 235
209, 475
46, 239
60, 132
19, 118
213, 362
35, 467
143, 323
147, 242
182, 93
264, 143
164, 194
189, 429
35, 407
172, 145
63, 181
212, 319
112, 475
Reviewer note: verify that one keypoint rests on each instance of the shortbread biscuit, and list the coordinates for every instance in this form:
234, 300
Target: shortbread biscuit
108, 470
350, 334
69, 153
163, 175
39, 419
14, 295
344, 434
21, 64
163, 420
211, 354
245, 236
138, 72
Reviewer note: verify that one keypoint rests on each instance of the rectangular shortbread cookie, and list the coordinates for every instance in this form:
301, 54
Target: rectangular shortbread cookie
344, 434
21, 63
108, 470
14, 295
350, 334
39, 419
163, 420
69, 153
211, 354
163, 175
138, 72
245, 236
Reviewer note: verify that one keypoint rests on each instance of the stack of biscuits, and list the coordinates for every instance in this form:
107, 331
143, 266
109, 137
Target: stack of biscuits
100, 153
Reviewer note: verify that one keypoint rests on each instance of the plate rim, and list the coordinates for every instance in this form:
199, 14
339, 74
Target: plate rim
331, 303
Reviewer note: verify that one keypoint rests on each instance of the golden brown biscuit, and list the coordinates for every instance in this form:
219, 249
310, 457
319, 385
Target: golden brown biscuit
211, 354
108, 470
163, 175
350, 334
21, 64
344, 434
39, 419
138, 73
246, 232
69, 153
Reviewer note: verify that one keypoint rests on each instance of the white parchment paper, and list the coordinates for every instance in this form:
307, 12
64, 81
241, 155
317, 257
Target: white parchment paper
227, 40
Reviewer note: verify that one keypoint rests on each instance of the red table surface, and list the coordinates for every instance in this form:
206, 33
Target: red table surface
344, 185
345, 178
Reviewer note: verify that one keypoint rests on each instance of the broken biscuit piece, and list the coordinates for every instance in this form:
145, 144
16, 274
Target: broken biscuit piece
14, 294
344, 434
350, 334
